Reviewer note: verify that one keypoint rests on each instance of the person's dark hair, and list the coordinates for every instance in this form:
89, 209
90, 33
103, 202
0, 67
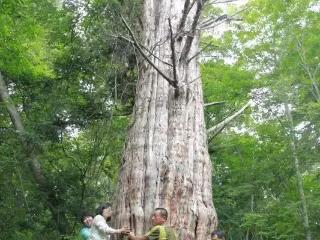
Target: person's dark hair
163, 212
103, 206
84, 215
219, 233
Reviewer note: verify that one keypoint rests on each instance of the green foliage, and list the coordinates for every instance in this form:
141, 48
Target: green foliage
217, 77
73, 81
255, 183
74, 91
24, 36
255, 186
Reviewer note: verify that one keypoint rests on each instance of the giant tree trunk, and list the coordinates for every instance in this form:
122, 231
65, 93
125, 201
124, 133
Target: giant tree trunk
166, 161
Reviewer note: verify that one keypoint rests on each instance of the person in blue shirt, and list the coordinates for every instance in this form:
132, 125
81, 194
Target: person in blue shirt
87, 220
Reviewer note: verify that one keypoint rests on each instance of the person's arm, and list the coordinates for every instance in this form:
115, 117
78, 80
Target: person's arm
131, 236
153, 234
103, 226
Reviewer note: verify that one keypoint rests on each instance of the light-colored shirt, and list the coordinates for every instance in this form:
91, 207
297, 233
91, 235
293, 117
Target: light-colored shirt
100, 229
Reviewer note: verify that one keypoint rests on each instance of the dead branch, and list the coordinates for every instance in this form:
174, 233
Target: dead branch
201, 50
215, 130
137, 45
187, 8
191, 35
193, 80
173, 54
208, 26
213, 19
225, 1
184, 16
142, 46
213, 103
192, 4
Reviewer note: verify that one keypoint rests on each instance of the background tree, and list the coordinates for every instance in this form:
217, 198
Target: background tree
274, 43
71, 125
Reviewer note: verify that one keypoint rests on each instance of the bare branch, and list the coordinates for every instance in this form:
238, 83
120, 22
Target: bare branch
169, 80
156, 57
189, 40
213, 19
223, 1
201, 50
191, 5
215, 130
186, 9
184, 15
173, 54
208, 26
142, 46
180, 33
192, 81
213, 103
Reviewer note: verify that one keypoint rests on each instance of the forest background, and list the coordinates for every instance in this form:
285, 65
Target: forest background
70, 73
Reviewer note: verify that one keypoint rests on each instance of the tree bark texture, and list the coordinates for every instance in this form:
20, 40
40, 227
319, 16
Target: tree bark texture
166, 161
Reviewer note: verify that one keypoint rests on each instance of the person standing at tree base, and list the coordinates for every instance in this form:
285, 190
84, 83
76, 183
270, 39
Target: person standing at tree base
159, 231
100, 230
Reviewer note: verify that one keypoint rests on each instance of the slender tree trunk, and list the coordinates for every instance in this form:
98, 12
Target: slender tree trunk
298, 174
33, 163
166, 161
252, 207
311, 73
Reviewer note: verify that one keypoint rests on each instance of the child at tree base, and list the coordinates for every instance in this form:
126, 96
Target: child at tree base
86, 219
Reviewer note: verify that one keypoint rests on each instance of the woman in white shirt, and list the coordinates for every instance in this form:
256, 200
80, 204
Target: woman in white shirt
99, 228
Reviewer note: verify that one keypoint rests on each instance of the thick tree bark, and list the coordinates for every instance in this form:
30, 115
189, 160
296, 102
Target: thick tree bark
166, 161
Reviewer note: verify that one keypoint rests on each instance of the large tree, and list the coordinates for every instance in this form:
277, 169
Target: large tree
166, 161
